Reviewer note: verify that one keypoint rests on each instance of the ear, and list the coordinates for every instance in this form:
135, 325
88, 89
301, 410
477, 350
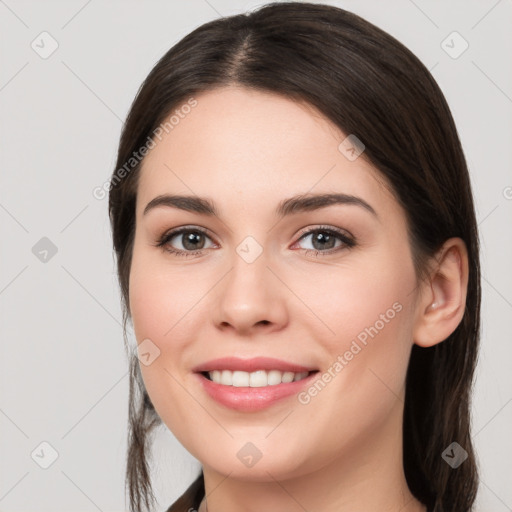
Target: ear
443, 299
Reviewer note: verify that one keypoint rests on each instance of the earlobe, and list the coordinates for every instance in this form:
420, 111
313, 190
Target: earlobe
443, 301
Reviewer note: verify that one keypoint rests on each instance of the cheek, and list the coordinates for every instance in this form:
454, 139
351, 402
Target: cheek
159, 296
162, 301
356, 300
369, 316
156, 308
367, 356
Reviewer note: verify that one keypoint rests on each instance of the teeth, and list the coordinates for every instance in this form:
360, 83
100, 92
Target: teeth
257, 379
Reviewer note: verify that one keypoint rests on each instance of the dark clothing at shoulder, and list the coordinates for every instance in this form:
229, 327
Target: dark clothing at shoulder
189, 501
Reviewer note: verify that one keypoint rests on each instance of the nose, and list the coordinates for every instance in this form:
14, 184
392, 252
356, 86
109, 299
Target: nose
250, 299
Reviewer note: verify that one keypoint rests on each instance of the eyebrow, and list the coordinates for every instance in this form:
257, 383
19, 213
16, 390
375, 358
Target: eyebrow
292, 205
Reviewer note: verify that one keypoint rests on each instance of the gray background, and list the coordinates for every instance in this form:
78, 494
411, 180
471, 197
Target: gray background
63, 375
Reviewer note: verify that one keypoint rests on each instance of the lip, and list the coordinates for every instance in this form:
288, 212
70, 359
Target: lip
247, 399
251, 365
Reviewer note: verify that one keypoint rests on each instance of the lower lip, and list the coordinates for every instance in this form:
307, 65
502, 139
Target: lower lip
249, 399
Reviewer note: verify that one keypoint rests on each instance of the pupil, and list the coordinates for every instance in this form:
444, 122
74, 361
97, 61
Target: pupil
323, 239
190, 239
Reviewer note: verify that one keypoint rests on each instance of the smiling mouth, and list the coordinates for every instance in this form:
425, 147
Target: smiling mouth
256, 379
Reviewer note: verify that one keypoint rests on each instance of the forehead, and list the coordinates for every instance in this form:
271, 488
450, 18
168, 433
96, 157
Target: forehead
254, 147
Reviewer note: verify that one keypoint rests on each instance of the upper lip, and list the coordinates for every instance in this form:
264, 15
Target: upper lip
251, 365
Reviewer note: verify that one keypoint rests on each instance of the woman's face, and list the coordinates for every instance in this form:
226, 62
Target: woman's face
328, 287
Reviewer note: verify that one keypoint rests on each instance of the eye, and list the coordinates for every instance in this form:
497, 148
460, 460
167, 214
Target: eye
327, 240
324, 240
191, 240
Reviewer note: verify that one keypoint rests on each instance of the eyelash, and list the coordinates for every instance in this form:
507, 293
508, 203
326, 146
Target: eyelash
347, 240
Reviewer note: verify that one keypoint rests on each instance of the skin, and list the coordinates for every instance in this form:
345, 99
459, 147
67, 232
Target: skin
247, 151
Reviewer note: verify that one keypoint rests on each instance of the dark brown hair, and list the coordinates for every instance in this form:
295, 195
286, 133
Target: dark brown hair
368, 84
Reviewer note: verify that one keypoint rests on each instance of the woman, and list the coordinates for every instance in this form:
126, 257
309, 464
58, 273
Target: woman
298, 253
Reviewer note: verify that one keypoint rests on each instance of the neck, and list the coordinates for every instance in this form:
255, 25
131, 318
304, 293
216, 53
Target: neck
368, 479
